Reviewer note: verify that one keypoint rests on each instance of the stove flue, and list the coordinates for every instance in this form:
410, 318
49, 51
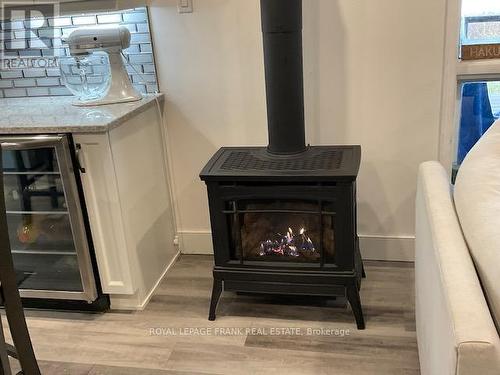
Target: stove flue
283, 61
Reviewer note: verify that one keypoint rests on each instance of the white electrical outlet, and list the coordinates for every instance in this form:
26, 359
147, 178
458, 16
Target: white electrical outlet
185, 6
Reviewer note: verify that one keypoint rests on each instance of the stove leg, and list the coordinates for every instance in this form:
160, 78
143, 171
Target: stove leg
216, 292
355, 302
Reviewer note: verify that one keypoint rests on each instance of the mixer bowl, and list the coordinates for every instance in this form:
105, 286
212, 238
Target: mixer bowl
88, 77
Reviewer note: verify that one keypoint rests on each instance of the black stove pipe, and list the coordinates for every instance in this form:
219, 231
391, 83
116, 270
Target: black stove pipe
282, 34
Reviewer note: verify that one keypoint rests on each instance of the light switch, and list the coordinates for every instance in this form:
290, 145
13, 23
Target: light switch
185, 6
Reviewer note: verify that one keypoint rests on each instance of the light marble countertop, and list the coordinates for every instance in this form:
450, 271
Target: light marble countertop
50, 115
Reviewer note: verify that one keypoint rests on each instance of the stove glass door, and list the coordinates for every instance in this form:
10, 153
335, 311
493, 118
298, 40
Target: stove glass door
282, 231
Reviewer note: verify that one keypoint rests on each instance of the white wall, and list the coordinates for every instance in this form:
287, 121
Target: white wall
373, 74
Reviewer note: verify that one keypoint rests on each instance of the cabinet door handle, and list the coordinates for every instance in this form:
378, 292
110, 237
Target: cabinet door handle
78, 162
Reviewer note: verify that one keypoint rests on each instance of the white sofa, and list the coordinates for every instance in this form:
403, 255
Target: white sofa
456, 256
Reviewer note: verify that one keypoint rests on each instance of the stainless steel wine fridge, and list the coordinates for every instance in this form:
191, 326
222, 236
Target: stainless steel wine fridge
48, 231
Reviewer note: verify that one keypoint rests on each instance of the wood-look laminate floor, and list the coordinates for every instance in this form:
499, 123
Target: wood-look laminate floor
252, 334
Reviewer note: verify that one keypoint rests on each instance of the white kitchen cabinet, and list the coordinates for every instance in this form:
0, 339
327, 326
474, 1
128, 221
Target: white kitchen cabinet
128, 200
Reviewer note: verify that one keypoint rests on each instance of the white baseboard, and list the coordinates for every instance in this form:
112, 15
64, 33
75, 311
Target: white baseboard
199, 243
388, 248
133, 303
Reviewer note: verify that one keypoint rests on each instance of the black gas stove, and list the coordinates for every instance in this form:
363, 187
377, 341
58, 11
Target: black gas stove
283, 217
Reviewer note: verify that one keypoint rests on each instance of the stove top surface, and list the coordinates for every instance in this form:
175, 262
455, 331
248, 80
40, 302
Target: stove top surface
318, 163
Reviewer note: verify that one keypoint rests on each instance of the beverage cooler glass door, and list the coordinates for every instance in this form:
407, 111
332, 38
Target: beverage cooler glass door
45, 221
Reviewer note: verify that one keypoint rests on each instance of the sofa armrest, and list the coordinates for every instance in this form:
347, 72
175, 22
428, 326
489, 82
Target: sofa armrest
456, 333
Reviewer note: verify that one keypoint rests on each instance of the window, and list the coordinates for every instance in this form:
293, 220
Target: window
480, 22
480, 108
471, 88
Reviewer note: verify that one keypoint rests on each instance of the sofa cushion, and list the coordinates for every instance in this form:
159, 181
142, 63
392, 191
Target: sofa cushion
477, 201
447, 286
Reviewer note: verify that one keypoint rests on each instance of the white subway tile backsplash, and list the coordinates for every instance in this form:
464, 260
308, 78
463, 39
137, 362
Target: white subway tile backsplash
26, 82
143, 78
35, 23
30, 53
140, 38
74, 80
48, 81
34, 73
6, 83
50, 33
9, 74
53, 72
146, 47
134, 69
95, 79
9, 53
143, 28
24, 34
40, 43
38, 91
14, 93
58, 22
59, 91
67, 30
131, 27
135, 17
56, 43
152, 89
140, 88
58, 52
89, 69
84, 20
16, 44
149, 68
42, 38
99, 69
14, 25
109, 18
142, 58
134, 48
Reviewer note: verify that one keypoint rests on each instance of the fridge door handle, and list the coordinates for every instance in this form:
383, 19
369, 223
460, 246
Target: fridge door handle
27, 142
78, 147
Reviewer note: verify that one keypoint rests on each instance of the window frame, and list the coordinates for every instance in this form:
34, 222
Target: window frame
456, 72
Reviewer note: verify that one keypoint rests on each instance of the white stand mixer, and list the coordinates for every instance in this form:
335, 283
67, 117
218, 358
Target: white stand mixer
112, 40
